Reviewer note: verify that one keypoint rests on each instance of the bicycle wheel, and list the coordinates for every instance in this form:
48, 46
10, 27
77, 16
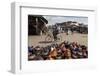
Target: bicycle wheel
48, 39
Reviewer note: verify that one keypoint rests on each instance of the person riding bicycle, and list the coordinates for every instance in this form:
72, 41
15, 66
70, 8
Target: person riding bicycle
55, 32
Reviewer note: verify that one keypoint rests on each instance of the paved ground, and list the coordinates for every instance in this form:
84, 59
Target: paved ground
76, 37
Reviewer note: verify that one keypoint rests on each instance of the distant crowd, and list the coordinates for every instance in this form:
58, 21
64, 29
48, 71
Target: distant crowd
64, 50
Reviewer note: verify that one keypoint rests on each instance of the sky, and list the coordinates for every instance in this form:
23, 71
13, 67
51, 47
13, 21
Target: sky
58, 19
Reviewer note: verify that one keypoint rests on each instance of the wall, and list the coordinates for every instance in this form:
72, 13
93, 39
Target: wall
5, 34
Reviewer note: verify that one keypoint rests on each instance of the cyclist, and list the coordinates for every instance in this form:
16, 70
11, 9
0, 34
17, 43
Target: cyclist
55, 32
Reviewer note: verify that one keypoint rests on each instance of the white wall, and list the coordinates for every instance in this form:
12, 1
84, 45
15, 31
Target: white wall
5, 33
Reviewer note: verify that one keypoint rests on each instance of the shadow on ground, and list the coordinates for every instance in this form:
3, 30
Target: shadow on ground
41, 42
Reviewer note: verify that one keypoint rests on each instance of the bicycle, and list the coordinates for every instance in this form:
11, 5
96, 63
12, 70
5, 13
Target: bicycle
50, 37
